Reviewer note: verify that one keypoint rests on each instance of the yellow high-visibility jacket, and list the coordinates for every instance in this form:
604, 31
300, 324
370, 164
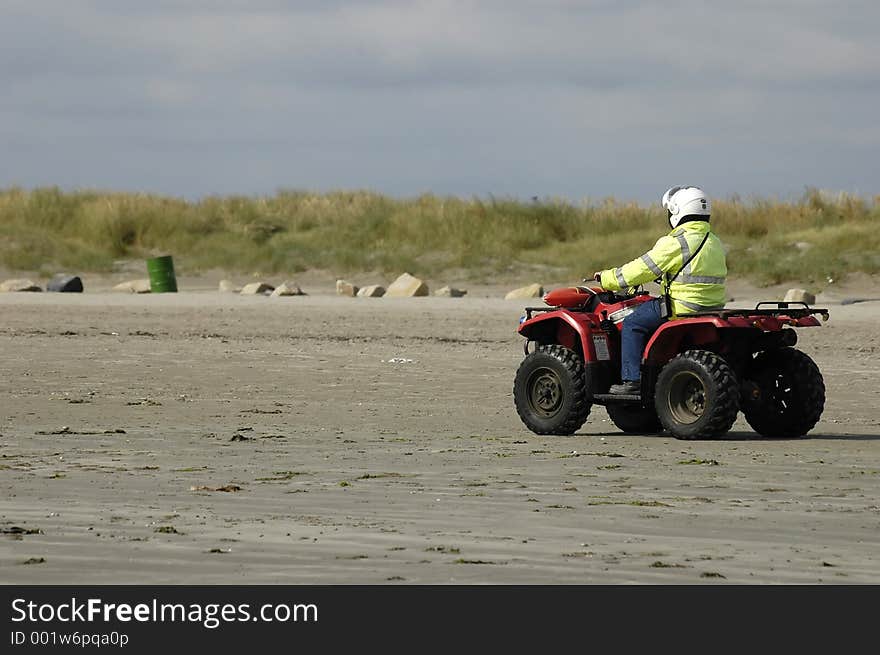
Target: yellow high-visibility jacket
699, 287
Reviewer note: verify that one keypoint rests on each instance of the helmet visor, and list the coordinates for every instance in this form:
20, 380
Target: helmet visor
668, 196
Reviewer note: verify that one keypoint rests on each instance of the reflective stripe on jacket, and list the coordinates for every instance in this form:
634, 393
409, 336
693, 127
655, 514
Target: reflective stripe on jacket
700, 286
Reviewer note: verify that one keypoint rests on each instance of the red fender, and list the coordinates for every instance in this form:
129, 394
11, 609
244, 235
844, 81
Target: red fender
558, 327
666, 341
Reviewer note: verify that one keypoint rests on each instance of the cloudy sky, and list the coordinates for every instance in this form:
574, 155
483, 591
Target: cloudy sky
567, 98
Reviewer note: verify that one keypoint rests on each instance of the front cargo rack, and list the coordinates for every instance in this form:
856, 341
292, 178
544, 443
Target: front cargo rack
529, 310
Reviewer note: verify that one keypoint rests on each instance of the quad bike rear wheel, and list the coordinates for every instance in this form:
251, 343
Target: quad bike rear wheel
634, 419
784, 394
697, 396
550, 391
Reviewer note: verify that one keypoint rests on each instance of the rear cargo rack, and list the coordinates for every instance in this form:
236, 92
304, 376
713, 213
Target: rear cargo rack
780, 309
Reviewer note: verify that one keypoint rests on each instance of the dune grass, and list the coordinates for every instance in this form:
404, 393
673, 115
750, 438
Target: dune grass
819, 236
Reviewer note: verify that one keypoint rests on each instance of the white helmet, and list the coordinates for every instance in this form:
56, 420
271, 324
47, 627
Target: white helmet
682, 201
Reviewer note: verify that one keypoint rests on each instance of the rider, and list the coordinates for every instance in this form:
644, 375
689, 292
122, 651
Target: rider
691, 256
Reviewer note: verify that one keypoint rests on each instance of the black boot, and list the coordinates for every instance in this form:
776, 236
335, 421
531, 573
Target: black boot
628, 388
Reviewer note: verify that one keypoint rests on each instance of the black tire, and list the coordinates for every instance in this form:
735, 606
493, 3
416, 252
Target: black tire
634, 419
697, 396
550, 391
784, 394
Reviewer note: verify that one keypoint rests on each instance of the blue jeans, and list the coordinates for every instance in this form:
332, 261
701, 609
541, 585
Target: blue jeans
637, 329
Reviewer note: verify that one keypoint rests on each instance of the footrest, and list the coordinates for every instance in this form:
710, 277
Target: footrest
616, 398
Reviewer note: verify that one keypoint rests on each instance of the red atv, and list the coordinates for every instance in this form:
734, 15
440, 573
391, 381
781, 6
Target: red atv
697, 372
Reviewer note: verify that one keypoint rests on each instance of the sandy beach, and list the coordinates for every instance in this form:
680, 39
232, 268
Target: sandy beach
203, 437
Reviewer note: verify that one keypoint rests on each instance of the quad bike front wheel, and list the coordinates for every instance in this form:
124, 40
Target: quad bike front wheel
550, 391
784, 394
697, 396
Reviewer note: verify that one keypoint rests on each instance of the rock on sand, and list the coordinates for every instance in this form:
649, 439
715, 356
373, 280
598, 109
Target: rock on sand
450, 292
531, 291
226, 286
64, 283
133, 286
19, 285
287, 289
372, 291
407, 286
799, 295
257, 289
345, 288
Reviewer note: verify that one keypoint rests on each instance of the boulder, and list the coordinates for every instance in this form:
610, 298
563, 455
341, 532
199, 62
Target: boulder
372, 291
287, 289
450, 292
134, 286
406, 286
799, 295
226, 286
19, 285
345, 288
257, 289
531, 291
65, 284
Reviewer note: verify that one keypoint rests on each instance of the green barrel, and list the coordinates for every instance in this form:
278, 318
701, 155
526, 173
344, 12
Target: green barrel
161, 271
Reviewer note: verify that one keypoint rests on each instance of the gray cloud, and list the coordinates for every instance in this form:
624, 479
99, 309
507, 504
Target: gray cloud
520, 97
